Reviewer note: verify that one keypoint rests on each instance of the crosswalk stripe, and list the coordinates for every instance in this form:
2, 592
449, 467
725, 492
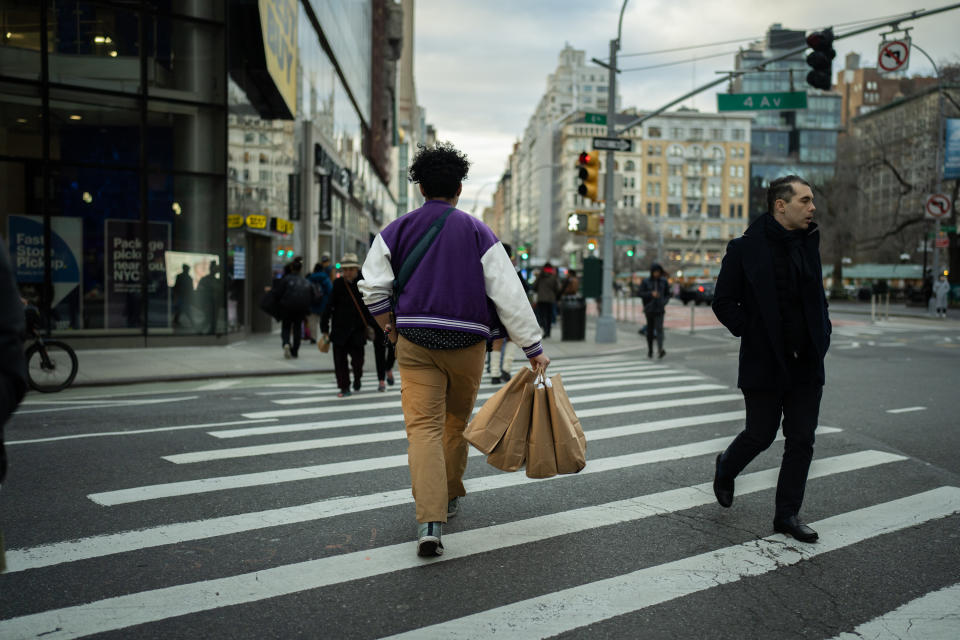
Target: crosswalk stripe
752, 558
218, 385
128, 432
368, 438
933, 616
289, 413
221, 483
576, 607
110, 544
612, 380
398, 419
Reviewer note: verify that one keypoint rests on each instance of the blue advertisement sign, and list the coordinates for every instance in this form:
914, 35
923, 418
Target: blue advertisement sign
951, 156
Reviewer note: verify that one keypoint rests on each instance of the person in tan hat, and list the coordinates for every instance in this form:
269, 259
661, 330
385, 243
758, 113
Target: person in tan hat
350, 320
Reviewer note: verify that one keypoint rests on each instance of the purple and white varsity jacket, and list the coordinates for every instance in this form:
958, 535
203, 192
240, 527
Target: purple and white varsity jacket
465, 281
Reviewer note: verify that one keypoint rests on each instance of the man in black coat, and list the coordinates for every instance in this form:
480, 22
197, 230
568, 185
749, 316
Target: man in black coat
655, 293
770, 294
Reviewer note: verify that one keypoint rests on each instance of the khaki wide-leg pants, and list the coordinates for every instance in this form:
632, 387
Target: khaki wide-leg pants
438, 389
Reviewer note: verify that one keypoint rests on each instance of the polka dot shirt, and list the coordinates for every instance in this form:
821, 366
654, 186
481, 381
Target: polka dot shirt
440, 338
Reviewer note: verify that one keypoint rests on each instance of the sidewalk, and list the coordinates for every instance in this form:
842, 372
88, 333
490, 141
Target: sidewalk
260, 355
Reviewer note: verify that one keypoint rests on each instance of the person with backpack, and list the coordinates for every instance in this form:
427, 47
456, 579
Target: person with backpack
322, 286
350, 324
294, 295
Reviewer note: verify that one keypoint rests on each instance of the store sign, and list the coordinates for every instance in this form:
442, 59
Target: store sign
280, 225
293, 196
234, 221
25, 235
326, 214
951, 159
122, 265
256, 221
278, 21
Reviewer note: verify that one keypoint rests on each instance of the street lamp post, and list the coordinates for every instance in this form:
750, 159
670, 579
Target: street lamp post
606, 324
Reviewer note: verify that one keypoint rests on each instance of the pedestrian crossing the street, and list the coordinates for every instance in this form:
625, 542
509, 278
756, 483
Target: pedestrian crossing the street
291, 515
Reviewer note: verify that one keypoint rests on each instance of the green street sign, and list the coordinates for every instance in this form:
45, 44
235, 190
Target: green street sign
761, 101
949, 228
595, 118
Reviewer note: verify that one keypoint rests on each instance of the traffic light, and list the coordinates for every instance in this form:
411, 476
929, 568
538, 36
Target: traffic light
589, 172
523, 253
591, 244
630, 252
821, 60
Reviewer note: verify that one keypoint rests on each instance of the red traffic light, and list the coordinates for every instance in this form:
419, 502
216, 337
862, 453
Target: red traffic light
819, 39
584, 158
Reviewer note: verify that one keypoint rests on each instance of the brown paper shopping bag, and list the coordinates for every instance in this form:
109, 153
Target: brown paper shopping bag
569, 442
541, 457
511, 451
499, 412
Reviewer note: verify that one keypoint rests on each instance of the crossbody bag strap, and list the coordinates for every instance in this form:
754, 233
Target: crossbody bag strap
357, 305
416, 254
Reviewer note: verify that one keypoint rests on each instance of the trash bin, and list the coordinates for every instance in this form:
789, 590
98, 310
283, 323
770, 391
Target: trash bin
573, 318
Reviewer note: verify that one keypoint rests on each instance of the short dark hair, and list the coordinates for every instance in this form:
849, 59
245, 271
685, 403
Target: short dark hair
439, 170
782, 189
508, 249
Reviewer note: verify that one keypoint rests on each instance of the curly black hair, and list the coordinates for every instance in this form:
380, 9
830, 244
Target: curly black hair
439, 170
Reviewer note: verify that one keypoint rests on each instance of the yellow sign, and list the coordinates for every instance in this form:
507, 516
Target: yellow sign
281, 225
255, 221
278, 21
234, 221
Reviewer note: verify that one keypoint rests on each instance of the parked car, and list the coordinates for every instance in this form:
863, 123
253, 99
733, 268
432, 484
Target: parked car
698, 292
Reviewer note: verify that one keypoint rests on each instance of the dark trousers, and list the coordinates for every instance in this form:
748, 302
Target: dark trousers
799, 406
293, 326
383, 355
342, 369
654, 330
545, 311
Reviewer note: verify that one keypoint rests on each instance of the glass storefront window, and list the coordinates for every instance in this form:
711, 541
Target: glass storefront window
187, 279
94, 45
94, 128
20, 39
21, 127
183, 137
186, 60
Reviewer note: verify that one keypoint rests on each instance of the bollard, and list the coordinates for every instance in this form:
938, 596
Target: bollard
873, 307
886, 308
693, 311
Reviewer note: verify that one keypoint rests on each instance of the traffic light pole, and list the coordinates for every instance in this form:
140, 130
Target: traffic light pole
606, 325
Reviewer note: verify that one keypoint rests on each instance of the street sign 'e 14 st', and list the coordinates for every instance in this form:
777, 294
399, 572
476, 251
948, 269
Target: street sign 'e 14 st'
761, 101
595, 118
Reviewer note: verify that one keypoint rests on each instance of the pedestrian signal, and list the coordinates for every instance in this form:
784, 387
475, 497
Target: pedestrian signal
589, 172
821, 59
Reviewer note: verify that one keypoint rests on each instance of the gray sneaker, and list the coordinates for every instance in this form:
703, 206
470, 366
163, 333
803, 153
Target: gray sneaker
453, 507
428, 539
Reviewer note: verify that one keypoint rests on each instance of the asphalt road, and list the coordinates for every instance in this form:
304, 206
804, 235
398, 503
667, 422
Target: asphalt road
268, 508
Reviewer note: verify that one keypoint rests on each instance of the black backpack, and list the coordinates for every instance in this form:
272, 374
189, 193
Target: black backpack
297, 295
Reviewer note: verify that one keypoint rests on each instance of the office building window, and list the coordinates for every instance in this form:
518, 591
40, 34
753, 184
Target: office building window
676, 133
739, 134
673, 210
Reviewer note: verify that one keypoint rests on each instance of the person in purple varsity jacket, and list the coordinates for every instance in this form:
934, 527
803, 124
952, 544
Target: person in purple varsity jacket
463, 292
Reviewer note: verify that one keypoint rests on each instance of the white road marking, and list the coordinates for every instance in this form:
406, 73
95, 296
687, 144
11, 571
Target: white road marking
130, 432
74, 406
577, 607
935, 616
543, 616
367, 438
306, 411
222, 483
906, 409
104, 545
220, 384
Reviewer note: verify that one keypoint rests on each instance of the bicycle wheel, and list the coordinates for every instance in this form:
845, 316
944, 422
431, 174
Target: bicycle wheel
54, 372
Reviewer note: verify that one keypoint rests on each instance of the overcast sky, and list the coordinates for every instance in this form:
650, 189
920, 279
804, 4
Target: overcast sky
481, 65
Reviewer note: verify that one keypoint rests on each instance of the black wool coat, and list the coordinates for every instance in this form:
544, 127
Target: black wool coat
348, 323
745, 302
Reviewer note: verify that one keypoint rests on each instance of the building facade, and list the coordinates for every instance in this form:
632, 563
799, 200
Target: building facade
113, 153
803, 141
864, 89
681, 192
161, 160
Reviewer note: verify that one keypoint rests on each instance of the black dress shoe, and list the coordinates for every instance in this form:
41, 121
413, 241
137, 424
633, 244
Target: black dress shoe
793, 527
723, 489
